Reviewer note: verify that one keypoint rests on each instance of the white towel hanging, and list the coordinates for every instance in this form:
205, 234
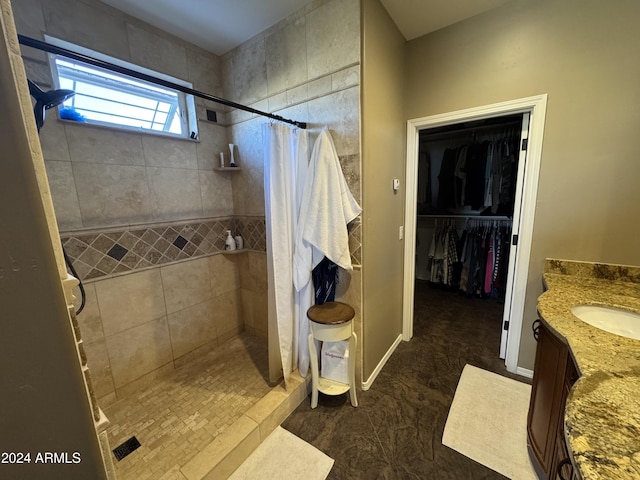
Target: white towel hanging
327, 207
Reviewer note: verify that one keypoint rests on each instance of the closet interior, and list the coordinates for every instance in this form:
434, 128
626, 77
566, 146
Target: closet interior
467, 179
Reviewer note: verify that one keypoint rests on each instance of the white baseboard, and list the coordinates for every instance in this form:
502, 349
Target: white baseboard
367, 384
525, 372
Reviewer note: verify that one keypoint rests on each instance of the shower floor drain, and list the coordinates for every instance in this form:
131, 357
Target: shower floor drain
126, 448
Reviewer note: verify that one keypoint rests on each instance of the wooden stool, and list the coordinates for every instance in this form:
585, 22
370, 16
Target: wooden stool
331, 322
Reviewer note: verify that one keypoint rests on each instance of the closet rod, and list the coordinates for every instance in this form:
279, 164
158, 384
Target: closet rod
424, 134
473, 217
47, 47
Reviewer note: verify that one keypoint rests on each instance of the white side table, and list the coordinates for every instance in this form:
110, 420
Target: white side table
332, 322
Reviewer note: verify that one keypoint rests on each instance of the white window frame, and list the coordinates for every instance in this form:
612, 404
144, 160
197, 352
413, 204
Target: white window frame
186, 101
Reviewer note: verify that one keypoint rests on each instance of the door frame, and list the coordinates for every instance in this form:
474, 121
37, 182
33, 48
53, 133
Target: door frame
536, 106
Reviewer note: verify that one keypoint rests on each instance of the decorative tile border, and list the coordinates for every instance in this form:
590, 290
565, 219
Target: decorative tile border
99, 253
253, 231
355, 241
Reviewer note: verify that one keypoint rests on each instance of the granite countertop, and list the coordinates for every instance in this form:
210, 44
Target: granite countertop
602, 414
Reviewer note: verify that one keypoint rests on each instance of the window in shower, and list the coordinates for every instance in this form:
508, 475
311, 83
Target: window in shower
103, 97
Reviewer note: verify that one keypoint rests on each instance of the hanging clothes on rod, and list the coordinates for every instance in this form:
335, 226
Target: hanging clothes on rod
444, 254
475, 262
480, 174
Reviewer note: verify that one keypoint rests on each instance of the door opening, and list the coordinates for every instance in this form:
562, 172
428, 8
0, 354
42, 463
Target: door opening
526, 118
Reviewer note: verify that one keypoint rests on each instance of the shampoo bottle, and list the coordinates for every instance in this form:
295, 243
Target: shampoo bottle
239, 243
230, 243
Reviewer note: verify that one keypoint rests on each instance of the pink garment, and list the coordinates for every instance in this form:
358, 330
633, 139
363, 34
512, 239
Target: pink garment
488, 271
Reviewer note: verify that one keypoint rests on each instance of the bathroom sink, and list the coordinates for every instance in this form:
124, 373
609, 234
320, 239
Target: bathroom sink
612, 320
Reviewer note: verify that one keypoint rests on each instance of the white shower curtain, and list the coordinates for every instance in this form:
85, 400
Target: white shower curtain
286, 153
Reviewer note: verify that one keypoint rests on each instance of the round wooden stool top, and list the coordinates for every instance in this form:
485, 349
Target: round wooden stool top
331, 313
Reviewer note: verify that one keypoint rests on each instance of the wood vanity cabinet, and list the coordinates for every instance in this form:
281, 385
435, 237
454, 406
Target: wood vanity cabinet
554, 374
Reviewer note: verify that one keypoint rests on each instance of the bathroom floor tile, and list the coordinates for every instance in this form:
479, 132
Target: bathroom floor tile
396, 431
180, 415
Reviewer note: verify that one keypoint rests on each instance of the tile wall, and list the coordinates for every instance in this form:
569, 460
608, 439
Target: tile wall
141, 325
157, 287
305, 68
158, 294
103, 177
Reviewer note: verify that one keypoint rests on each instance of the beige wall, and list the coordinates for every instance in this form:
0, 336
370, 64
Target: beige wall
43, 411
383, 149
583, 54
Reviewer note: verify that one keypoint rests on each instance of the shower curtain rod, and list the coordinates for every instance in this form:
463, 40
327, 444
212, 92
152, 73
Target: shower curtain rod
47, 47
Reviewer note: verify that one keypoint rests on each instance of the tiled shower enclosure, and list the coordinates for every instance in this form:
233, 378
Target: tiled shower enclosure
143, 217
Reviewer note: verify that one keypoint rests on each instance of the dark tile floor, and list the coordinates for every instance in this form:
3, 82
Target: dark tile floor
396, 431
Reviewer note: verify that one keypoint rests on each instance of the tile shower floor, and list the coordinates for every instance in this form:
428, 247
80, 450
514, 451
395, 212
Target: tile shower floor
176, 418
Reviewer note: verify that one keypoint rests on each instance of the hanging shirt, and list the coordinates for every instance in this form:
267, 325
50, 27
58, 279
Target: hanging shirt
325, 279
460, 175
475, 170
488, 176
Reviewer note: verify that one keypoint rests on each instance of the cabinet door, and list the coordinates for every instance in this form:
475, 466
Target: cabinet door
546, 399
561, 465
562, 468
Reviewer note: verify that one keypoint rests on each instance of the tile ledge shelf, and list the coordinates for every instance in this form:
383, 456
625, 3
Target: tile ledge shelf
235, 252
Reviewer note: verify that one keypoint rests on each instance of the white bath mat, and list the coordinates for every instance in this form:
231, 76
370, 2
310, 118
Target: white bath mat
284, 456
487, 422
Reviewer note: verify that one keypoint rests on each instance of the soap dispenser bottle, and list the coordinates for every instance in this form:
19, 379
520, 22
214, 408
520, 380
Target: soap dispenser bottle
230, 243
